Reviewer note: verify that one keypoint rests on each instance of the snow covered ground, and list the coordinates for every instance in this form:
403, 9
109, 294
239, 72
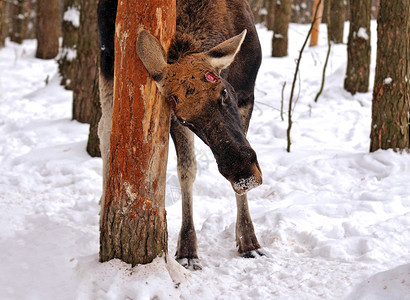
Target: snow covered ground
333, 218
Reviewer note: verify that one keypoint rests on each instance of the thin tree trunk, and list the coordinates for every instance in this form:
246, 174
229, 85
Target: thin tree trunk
317, 5
47, 29
93, 144
337, 17
280, 28
86, 63
3, 24
358, 47
133, 221
391, 93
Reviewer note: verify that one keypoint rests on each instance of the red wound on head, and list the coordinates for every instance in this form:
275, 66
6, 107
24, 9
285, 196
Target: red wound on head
211, 77
173, 101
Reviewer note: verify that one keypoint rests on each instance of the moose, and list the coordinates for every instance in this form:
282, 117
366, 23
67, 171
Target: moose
208, 76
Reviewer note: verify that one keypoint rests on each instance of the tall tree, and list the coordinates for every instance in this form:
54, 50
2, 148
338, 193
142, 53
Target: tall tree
358, 47
47, 28
20, 14
301, 11
282, 11
86, 61
337, 17
93, 143
317, 13
133, 218
69, 24
270, 17
3, 24
391, 92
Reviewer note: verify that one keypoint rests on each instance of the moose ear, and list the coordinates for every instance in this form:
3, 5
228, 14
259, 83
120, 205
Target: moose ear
152, 55
222, 56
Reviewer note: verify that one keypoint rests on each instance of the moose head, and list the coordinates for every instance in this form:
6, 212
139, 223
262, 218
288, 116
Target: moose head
206, 103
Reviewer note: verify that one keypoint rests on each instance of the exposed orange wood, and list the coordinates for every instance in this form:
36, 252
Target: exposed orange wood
317, 5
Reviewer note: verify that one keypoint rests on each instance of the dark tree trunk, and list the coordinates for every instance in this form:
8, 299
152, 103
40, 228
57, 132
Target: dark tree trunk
93, 144
47, 29
280, 28
358, 47
19, 21
337, 17
133, 219
66, 61
86, 62
391, 93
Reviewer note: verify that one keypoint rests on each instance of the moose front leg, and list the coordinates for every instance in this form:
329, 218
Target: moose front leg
248, 245
186, 254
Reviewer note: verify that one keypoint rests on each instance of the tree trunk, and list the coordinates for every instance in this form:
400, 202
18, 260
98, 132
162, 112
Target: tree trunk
337, 17
391, 93
256, 7
93, 144
86, 62
317, 13
47, 29
270, 17
3, 24
301, 11
282, 9
70, 24
358, 47
133, 222
19, 21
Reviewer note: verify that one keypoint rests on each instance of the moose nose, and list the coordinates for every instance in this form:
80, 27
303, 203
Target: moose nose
251, 175
245, 184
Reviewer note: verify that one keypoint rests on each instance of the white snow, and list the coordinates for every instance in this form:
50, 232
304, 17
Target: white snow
388, 80
72, 14
333, 218
362, 33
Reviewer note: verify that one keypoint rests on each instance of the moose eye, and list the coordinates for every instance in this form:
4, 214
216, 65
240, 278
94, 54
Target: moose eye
211, 77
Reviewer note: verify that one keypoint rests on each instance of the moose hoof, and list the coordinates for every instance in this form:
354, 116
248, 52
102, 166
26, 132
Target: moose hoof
254, 253
190, 263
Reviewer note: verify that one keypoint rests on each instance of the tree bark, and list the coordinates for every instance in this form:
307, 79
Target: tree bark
3, 24
86, 62
282, 10
391, 93
337, 17
19, 21
318, 12
47, 29
133, 222
270, 17
70, 24
93, 144
358, 47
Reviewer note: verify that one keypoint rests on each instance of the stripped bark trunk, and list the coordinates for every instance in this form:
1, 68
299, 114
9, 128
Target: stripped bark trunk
133, 220
317, 6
